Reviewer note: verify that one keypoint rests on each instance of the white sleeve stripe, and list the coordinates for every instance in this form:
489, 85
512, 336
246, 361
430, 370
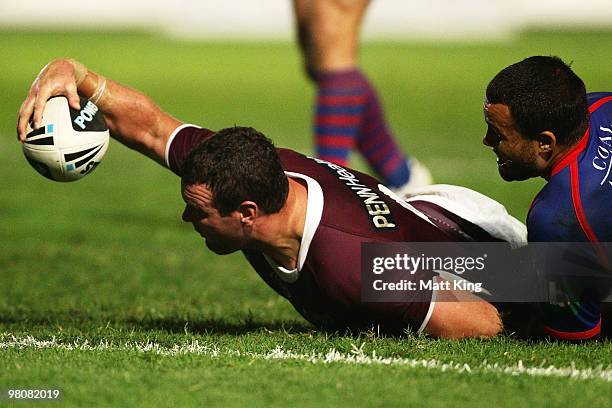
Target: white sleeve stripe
171, 138
432, 304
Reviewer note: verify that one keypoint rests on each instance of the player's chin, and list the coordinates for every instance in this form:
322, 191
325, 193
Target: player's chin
220, 248
508, 172
508, 176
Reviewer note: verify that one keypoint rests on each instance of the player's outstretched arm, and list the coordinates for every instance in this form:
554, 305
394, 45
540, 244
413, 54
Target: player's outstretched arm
132, 117
458, 314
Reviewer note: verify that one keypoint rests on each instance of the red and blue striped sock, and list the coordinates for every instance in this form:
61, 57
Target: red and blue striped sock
349, 116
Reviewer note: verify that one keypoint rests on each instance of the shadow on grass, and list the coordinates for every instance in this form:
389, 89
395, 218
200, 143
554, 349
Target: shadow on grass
80, 321
218, 326
252, 325
76, 322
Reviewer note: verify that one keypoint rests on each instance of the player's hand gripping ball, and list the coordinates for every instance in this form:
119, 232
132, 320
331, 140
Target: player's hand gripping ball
70, 144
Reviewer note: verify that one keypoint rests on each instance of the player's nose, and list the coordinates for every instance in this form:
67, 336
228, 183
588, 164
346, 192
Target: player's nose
486, 141
186, 216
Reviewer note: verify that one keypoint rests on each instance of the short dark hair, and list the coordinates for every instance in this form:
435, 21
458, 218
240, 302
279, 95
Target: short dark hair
238, 164
543, 93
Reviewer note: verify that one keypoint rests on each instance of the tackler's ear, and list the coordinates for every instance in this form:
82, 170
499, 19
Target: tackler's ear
547, 141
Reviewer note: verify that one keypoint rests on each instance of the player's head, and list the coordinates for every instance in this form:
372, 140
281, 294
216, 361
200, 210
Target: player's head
533, 108
227, 180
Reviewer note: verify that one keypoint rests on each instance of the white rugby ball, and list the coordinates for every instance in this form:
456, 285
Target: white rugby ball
70, 144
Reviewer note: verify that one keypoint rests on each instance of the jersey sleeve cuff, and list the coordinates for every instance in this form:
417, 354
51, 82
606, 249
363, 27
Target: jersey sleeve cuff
171, 139
432, 304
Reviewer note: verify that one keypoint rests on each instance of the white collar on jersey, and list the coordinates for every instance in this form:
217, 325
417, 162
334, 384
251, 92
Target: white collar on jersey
314, 211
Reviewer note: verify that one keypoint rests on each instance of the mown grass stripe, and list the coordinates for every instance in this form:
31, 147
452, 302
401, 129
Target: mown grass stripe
357, 356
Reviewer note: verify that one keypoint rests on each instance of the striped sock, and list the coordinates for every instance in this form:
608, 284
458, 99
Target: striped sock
339, 111
349, 115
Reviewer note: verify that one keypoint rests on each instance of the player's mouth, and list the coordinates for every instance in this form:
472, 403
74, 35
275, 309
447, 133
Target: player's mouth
501, 163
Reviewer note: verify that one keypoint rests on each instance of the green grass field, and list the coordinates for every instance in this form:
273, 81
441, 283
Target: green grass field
107, 295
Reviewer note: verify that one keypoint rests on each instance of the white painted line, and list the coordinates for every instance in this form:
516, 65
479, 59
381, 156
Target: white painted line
357, 357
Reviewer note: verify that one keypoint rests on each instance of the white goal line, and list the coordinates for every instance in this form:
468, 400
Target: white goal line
356, 356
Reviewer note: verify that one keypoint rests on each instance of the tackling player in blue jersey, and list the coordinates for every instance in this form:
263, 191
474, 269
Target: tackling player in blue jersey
541, 122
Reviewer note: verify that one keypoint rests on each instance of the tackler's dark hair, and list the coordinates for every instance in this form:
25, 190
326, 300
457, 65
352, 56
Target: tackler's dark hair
543, 94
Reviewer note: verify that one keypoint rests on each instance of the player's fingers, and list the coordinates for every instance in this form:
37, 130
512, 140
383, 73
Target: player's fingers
56, 78
25, 113
73, 96
39, 105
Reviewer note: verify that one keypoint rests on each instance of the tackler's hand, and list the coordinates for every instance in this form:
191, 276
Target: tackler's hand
59, 77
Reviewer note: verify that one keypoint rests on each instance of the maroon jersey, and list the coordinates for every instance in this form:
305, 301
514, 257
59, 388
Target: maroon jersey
345, 209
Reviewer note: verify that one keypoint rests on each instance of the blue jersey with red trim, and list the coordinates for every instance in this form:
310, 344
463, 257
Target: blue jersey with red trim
575, 204
575, 207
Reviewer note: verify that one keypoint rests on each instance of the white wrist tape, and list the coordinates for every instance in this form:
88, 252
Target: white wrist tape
99, 90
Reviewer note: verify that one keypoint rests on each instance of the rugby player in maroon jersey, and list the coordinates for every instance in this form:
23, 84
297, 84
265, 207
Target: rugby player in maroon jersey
300, 221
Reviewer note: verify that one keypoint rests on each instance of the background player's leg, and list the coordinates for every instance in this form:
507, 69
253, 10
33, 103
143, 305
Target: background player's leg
340, 106
348, 113
328, 33
377, 145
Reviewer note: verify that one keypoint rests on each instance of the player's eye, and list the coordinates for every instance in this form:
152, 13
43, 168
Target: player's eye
199, 213
493, 135
193, 212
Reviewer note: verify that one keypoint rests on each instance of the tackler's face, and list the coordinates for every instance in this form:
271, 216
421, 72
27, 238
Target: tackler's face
223, 234
517, 156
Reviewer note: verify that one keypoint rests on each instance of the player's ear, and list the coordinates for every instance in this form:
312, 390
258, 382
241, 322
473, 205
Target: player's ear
547, 141
249, 210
